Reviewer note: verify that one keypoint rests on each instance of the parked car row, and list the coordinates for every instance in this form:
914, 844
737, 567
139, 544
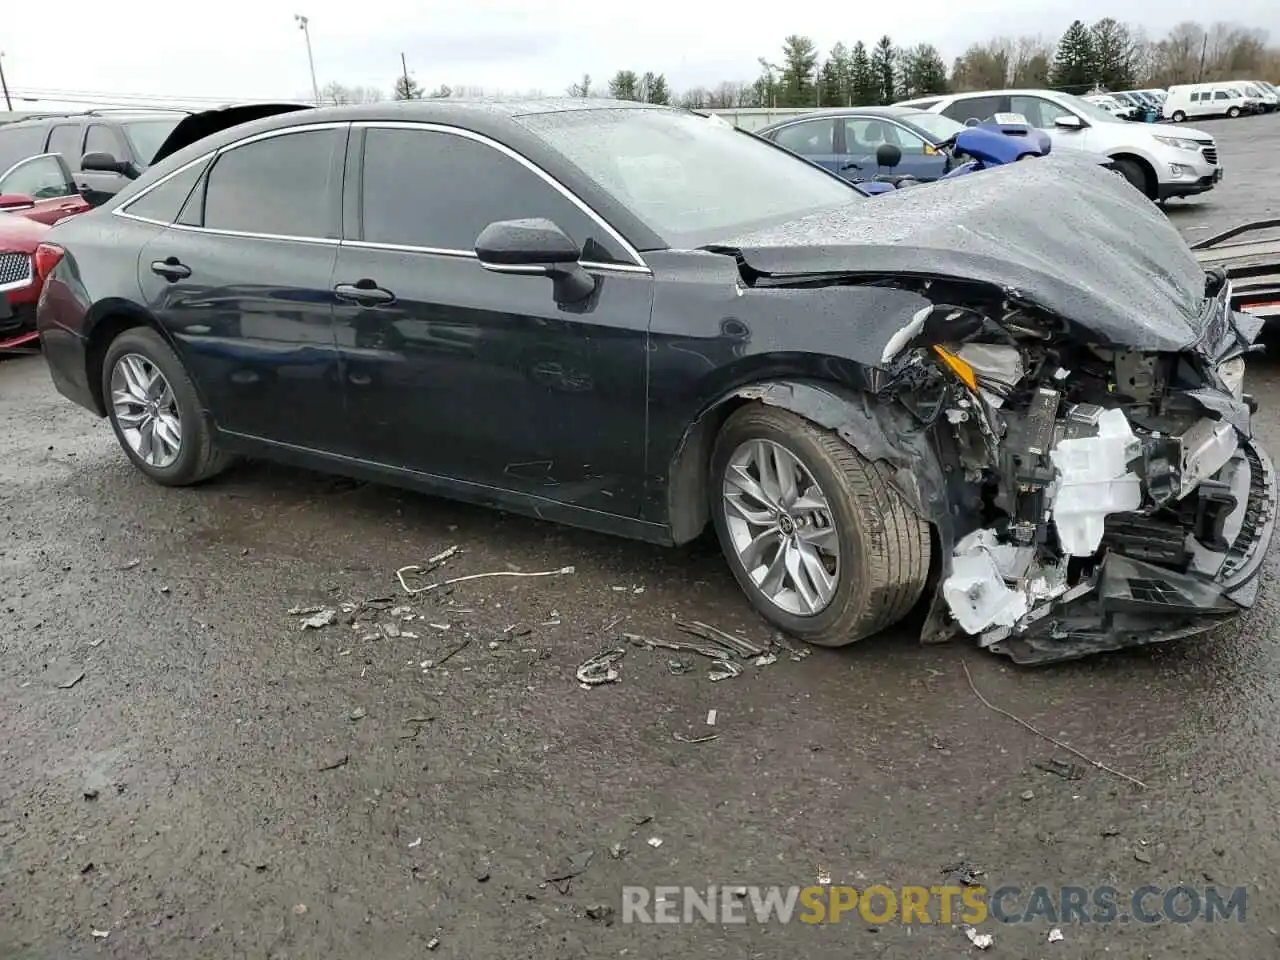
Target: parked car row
1163, 166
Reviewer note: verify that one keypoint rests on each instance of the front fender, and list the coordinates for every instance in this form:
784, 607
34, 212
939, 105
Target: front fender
879, 429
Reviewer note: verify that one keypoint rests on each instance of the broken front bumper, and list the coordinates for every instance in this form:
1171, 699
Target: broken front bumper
1131, 601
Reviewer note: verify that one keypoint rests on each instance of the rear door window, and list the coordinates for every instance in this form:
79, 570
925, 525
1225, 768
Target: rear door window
284, 186
815, 138
973, 110
423, 188
65, 140
41, 178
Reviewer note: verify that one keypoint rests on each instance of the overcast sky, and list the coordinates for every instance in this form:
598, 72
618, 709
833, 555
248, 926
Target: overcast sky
254, 48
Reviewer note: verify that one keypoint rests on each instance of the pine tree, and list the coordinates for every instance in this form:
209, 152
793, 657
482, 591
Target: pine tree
923, 71
831, 89
582, 88
799, 63
1113, 54
840, 60
406, 88
1073, 65
862, 83
625, 85
882, 70
654, 88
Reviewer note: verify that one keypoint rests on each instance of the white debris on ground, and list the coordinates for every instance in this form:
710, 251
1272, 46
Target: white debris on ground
1094, 480
980, 940
1055, 935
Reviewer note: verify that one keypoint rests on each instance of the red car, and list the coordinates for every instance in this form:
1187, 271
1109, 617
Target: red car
37, 192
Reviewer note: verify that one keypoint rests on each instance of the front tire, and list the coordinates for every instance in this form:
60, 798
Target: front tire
822, 544
155, 411
1233, 112
1178, 116
1132, 171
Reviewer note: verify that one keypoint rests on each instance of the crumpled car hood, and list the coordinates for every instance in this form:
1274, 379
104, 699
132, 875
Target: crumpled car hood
1057, 232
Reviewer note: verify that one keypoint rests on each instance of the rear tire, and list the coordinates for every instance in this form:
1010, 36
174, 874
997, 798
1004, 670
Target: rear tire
147, 393
881, 547
1178, 116
1132, 171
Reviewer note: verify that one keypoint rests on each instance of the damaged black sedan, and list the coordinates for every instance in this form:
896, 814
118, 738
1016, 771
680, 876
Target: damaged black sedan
1016, 397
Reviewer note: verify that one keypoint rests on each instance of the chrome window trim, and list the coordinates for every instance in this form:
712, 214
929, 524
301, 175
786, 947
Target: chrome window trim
471, 255
122, 210
639, 267
430, 127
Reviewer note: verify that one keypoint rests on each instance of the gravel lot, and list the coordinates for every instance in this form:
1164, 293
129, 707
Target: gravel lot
223, 783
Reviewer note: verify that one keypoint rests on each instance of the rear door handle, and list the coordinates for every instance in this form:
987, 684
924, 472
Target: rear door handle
364, 292
171, 268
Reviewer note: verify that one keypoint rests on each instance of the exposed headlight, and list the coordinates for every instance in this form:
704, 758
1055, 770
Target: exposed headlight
1232, 374
1181, 143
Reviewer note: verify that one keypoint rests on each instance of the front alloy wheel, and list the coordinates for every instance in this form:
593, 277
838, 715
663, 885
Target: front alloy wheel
819, 539
146, 410
781, 526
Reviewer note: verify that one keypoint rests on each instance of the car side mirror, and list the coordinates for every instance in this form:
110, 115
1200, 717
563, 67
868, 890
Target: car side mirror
101, 162
16, 201
888, 155
537, 247
1069, 122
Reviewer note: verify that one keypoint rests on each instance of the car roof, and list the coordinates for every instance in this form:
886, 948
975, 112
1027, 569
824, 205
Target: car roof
107, 115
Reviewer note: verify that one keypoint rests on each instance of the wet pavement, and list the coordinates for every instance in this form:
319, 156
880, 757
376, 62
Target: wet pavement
222, 782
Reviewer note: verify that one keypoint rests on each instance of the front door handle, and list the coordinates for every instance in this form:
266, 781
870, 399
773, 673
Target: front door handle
171, 268
364, 292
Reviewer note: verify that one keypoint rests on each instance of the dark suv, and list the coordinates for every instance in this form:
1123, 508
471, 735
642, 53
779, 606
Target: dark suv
122, 144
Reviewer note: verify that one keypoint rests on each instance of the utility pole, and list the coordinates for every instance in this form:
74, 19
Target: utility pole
1204, 46
404, 70
302, 25
8, 104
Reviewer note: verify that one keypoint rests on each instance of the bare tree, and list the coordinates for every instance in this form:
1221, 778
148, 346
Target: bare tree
339, 94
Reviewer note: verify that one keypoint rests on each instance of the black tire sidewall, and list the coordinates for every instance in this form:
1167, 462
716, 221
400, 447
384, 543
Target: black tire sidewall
1130, 170
147, 343
1178, 116
833, 484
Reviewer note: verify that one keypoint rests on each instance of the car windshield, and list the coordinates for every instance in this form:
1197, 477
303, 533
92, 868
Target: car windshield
146, 136
1091, 112
691, 181
935, 124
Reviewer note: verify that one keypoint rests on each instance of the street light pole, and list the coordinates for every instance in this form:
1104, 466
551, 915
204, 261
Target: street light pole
8, 104
302, 25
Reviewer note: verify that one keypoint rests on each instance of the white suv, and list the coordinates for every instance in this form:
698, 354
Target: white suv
1161, 162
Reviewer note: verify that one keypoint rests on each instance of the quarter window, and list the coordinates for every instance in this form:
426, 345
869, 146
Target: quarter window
41, 178
163, 202
282, 186
425, 188
815, 138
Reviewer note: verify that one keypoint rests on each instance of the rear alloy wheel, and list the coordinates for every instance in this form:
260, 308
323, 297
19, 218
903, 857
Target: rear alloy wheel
823, 545
1178, 116
1233, 112
155, 411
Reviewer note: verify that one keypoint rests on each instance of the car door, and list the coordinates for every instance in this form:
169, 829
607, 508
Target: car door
863, 135
242, 283
47, 181
1043, 114
479, 378
813, 139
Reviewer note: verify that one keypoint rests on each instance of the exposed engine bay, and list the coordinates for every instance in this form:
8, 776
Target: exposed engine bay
1100, 496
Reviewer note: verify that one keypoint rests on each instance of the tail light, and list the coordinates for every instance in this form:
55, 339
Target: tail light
48, 256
